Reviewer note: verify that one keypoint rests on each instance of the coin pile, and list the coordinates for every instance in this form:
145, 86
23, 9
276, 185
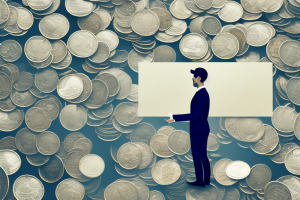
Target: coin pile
48, 87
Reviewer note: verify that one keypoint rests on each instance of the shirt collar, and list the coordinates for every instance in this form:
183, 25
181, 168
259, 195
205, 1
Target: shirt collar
200, 88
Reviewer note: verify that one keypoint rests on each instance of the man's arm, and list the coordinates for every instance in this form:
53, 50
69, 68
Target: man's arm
196, 111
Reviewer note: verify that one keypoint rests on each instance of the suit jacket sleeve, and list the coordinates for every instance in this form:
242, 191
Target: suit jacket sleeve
195, 111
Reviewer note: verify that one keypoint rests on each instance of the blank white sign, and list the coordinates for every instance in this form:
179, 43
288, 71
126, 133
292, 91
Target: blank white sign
236, 89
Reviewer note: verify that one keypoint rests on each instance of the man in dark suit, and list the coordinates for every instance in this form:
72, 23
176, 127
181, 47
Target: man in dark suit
199, 127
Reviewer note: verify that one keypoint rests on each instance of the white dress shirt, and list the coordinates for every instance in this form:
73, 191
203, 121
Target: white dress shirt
171, 115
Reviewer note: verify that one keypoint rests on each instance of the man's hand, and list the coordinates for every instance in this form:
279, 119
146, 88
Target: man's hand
170, 120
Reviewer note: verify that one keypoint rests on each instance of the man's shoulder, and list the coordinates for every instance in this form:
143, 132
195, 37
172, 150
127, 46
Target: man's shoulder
202, 92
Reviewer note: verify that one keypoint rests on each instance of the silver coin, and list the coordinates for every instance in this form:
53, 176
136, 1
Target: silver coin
7, 105
37, 119
209, 192
11, 70
105, 18
87, 88
55, 100
84, 144
10, 50
280, 156
82, 43
126, 191
250, 6
165, 18
10, 161
70, 140
291, 161
255, 32
91, 22
73, 117
190, 4
164, 37
232, 11
47, 143
54, 26
273, 187
179, 142
28, 186
111, 81
61, 153
231, 193
69, 87
237, 170
155, 194
22, 99
166, 171
288, 52
193, 46
267, 142
4, 12
133, 95
291, 181
104, 111
269, 6
157, 4
109, 37
211, 25
272, 51
91, 165
129, 155
147, 155
8, 143
75, 190
25, 19
4, 181
126, 114
179, 10
46, 80
37, 159
135, 57
219, 172
71, 163
177, 28
263, 172
250, 129
283, 118
213, 143
64, 63
26, 141
159, 146
39, 5
43, 64
102, 53
145, 22
53, 170
225, 45
54, 6
6, 85
11, 120
98, 96
164, 53
79, 8
37, 49
59, 50
196, 25
24, 82
119, 56
13, 15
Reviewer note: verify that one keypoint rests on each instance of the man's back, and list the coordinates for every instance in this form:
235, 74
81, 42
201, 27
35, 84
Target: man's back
200, 125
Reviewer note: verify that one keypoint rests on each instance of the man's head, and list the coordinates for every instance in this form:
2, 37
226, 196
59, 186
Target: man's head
200, 74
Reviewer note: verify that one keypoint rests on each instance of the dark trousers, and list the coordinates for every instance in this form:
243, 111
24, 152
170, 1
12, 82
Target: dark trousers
199, 153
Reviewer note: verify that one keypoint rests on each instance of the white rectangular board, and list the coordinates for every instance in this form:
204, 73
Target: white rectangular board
236, 89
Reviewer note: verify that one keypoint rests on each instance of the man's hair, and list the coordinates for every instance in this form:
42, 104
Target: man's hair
202, 73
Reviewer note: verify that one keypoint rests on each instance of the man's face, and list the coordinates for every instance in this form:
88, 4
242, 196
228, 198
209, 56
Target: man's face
195, 84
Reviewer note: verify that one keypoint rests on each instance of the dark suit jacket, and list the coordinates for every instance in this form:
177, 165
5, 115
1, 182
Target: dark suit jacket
199, 113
